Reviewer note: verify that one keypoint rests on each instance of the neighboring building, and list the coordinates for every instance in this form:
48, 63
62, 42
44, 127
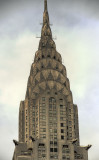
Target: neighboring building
48, 119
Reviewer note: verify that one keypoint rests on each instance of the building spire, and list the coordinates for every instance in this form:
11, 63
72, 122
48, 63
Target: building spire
45, 5
46, 33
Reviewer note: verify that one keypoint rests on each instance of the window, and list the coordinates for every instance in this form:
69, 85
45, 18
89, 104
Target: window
61, 112
55, 124
70, 122
55, 149
43, 117
51, 156
55, 137
67, 151
43, 155
70, 128
48, 56
51, 130
55, 118
43, 129
43, 135
50, 106
50, 114
61, 106
62, 137
55, 156
51, 142
62, 124
43, 104
64, 157
70, 134
65, 146
51, 149
43, 123
62, 130
52, 100
61, 118
56, 67
55, 130
61, 99
55, 143
68, 158
43, 98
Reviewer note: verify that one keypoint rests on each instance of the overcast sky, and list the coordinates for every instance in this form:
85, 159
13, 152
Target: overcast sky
76, 26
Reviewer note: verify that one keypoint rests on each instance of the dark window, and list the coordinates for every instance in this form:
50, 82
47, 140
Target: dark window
61, 106
51, 149
52, 100
63, 157
51, 142
41, 144
65, 146
48, 56
55, 143
62, 125
62, 130
42, 56
55, 149
62, 137
61, 99
54, 57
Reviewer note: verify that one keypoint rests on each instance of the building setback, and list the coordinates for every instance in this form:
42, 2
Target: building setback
48, 119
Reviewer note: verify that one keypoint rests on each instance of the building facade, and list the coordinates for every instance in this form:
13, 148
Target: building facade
48, 119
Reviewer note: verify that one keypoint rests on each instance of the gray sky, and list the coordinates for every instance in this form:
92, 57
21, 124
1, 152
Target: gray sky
76, 25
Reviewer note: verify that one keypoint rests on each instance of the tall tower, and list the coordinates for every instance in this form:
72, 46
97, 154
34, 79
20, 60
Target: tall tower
48, 119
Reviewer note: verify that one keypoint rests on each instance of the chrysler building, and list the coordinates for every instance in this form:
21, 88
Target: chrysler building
48, 118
